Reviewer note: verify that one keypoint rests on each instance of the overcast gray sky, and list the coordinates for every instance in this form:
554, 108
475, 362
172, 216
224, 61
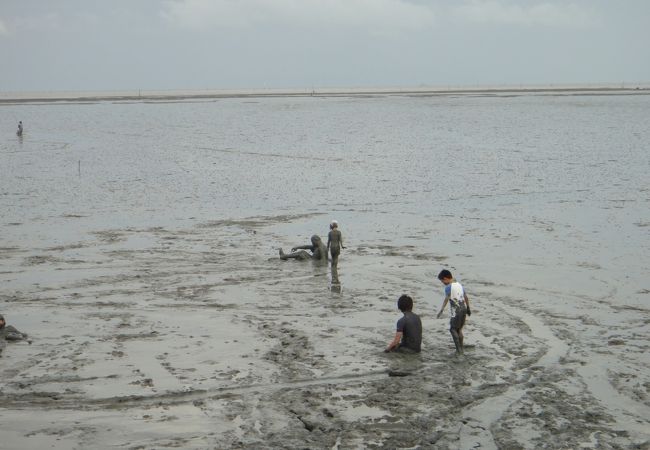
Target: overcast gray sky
227, 44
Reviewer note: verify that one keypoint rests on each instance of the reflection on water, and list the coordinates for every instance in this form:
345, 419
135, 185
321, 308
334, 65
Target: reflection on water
335, 284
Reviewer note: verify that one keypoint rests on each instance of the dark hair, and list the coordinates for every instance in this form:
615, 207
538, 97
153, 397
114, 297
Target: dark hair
405, 303
444, 274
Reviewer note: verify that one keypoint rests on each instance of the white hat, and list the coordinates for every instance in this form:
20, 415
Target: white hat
334, 223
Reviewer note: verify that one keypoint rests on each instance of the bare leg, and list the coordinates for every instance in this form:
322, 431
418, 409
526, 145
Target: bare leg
335, 251
457, 340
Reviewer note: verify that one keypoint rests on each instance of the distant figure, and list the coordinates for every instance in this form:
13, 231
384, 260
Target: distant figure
408, 337
317, 249
335, 242
458, 308
20, 128
9, 333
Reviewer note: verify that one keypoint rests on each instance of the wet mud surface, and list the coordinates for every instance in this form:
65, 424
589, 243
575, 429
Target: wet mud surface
191, 338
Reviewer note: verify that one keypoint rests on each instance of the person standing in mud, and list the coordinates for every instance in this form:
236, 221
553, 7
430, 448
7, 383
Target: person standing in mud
9, 333
408, 336
458, 308
19, 132
317, 249
334, 243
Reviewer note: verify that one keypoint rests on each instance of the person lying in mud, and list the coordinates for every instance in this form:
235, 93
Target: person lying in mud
458, 308
9, 333
317, 249
408, 337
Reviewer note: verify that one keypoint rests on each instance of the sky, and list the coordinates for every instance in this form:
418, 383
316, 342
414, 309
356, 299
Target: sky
50, 45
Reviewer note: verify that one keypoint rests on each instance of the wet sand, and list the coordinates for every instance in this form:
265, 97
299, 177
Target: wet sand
178, 326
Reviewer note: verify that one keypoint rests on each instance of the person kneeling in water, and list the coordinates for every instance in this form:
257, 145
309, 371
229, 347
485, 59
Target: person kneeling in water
408, 337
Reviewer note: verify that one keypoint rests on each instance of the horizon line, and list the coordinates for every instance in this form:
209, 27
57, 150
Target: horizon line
209, 93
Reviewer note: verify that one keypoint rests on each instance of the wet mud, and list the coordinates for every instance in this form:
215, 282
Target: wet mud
192, 338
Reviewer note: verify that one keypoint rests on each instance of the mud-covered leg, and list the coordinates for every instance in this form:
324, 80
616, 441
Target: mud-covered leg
457, 342
302, 254
335, 257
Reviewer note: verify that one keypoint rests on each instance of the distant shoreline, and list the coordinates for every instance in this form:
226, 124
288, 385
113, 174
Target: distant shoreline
180, 95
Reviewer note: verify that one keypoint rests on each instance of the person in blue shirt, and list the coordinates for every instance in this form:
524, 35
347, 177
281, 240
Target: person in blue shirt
458, 308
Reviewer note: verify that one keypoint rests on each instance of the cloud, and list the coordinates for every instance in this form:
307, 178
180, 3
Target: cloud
363, 14
4, 31
36, 24
562, 15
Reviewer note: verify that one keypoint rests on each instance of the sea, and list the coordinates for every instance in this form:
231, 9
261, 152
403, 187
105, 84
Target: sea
531, 188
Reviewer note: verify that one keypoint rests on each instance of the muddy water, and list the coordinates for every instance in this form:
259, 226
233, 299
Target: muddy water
139, 250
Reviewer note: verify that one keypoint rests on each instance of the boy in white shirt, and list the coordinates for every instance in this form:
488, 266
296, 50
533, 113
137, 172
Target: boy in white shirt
458, 307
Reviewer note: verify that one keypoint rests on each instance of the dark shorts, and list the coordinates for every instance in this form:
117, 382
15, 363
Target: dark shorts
458, 320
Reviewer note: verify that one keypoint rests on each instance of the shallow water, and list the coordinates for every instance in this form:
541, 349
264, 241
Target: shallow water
116, 213
550, 189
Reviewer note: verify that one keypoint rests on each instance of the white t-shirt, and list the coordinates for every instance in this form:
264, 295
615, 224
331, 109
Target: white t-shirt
456, 294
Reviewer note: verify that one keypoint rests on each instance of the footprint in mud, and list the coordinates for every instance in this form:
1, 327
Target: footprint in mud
109, 236
39, 259
293, 353
145, 382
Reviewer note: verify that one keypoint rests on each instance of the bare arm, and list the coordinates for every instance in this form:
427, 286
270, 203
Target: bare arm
442, 308
302, 247
395, 342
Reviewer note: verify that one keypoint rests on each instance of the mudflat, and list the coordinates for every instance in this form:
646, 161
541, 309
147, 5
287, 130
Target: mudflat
143, 263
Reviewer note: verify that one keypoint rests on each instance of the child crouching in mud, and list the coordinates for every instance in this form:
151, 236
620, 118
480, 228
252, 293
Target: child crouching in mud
458, 308
408, 337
